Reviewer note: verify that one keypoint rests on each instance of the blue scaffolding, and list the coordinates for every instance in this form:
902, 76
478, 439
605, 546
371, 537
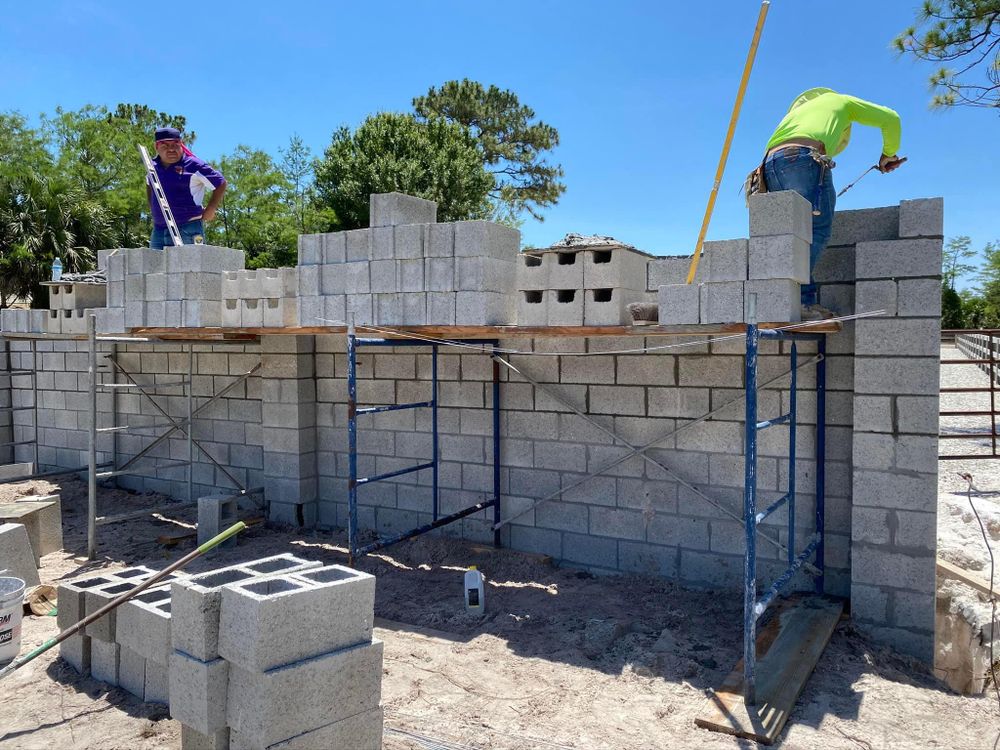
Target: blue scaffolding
354, 342
753, 607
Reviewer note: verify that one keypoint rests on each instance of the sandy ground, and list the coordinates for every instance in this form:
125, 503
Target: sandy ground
561, 660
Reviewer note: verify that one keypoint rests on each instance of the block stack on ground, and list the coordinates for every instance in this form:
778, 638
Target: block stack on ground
581, 280
406, 269
759, 277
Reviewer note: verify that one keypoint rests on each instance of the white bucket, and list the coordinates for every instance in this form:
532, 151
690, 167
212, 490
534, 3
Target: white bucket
11, 607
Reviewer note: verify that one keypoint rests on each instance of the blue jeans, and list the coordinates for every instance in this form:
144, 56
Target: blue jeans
793, 168
161, 236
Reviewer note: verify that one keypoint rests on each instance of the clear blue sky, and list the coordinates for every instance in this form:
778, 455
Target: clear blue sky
640, 92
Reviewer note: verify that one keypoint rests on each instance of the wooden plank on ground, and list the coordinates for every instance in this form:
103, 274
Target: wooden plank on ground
949, 570
788, 650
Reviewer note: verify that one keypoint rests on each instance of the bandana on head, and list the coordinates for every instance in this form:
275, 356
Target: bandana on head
171, 134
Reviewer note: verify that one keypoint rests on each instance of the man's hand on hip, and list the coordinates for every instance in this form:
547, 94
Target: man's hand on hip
889, 163
208, 214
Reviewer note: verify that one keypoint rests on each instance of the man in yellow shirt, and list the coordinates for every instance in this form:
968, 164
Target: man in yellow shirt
816, 128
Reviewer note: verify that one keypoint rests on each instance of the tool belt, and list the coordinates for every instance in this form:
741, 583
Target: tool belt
756, 181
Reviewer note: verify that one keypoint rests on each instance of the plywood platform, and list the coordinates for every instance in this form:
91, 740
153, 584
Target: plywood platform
788, 648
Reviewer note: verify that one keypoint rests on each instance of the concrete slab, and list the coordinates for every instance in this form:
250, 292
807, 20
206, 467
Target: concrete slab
16, 555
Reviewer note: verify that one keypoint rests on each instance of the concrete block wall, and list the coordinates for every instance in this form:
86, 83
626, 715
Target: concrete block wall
70, 302
260, 298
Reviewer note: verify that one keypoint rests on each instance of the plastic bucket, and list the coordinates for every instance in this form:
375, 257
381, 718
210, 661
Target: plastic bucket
11, 596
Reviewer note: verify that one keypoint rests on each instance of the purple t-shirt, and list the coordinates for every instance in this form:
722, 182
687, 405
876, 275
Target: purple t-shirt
184, 183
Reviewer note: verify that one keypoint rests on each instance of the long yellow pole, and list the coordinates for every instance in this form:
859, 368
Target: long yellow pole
729, 138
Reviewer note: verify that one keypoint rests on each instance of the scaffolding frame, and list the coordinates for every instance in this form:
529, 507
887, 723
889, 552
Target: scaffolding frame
171, 425
355, 549
754, 607
10, 373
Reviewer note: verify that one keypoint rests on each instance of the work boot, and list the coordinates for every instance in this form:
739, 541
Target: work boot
817, 312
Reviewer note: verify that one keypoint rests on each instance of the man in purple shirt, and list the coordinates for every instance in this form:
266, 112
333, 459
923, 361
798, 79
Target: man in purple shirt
184, 178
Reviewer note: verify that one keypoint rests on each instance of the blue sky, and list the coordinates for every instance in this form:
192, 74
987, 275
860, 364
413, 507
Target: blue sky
640, 92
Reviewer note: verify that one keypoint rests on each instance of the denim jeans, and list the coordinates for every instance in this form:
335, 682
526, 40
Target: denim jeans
161, 236
793, 168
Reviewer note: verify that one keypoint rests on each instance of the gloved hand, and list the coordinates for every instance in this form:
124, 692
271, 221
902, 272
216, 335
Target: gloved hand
888, 163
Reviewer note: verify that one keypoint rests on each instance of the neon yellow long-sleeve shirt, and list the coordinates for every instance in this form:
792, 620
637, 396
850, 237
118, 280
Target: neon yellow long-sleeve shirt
826, 116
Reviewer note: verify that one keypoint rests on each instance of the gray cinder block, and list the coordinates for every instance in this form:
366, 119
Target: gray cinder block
864, 225
485, 274
135, 314
198, 692
135, 288
201, 313
309, 280
143, 625
310, 249
280, 313
215, 514
609, 307
565, 269
346, 278
157, 687
679, 304
16, 554
143, 260
156, 314
208, 258
360, 308
923, 217
75, 651
104, 656
671, 270
195, 602
231, 313
531, 307
382, 243
616, 267
486, 238
564, 307
410, 275
725, 260
383, 276
441, 241
42, 519
778, 300
414, 308
265, 708
780, 256
96, 597
899, 258
334, 247
53, 321
116, 293
72, 603
391, 209
281, 620
89, 295
116, 266
410, 241
359, 732
132, 672
250, 286
191, 739
357, 245
441, 308
252, 313
484, 308
388, 309
722, 302
439, 274
173, 313
783, 212
532, 270
110, 320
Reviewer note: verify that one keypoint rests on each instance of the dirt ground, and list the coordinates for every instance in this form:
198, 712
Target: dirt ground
562, 659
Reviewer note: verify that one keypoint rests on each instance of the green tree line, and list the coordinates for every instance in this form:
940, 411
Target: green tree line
978, 306
73, 183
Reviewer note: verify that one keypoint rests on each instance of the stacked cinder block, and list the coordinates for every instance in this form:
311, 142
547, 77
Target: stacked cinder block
261, 298
173, 288
94, 648
759, 277
18, 320
42, 517
16, 553
408, 270
302, 661
580, 281
70, 302
198, 676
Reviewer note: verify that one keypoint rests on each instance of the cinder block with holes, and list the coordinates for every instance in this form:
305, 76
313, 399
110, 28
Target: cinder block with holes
195, 602
231, 314
280, 313
216, 513
252, 313
96, 597
533, 270
144, 624
199, 692
564, 307
281, 620
609, 307
565, 269
531, 307
614, 268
